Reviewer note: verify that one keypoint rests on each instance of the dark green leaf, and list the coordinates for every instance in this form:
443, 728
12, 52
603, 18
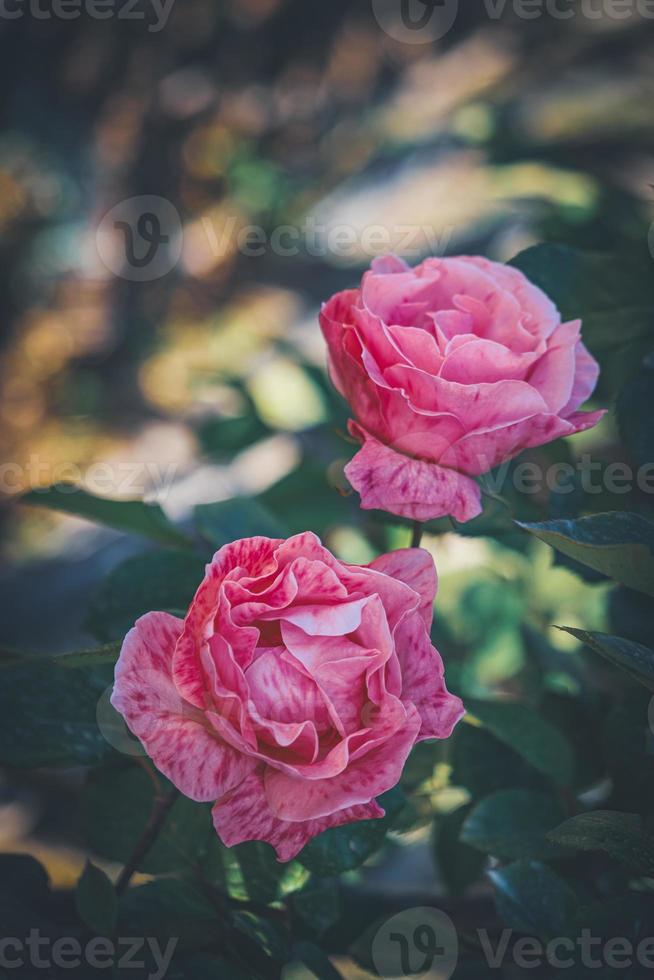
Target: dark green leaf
317, 903
156, 580
512, 824
116, 807
345, 848
620, 545
131, 516
241, 517
634, 659
170, 909
48, 714
532, 899
483, 764
532, 737
96, 901
621, 835
634, 412
581, 283
460, 866
316, 960
265, 933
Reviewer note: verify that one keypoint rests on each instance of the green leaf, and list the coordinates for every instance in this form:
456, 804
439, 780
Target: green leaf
241, 517
620, 545
621, 835
48, 713
582, 283
168, 909
131, 516
116, 806
265, 933
346, 848
156, 580
533, 900
316, 960
633, 658
318, 904
532, 737
460, 865
25, 896
247, 872
96, 901
634, 414
512, 824
483, 764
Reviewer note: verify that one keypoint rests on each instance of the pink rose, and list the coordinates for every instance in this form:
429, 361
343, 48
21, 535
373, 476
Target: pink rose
450, 369
294, 689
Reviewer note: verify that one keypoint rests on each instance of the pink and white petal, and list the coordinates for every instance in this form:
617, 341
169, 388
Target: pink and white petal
294, 798
327, 620
245, 815
415, 567
388, 264
409, 487
485, 361
586, 375
282, 693
423, 683
257, 557
173, 733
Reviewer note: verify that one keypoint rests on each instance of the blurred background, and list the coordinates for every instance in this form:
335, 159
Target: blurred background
273, 147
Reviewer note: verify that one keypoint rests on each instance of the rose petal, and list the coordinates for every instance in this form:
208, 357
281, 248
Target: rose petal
409, 487
245, 815
174, 735
415, 567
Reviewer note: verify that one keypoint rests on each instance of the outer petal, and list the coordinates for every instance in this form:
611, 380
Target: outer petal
245, 815
200, 764
586, 375
423, 682
409, 487
293, 798
415, 567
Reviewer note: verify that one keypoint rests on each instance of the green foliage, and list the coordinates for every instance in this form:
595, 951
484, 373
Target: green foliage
513, 824
96, 900
533, 900
636, 660
233, 519
161, 580
619, 545
621, 835
48, 713
131, 516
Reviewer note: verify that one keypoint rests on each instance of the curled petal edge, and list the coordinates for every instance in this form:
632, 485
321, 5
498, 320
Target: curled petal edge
412, 488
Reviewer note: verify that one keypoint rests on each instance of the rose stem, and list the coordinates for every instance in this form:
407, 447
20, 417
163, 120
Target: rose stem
160, 810
416, 534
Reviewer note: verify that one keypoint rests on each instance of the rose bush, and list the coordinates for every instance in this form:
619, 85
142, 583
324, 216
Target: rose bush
450, 368
294, 689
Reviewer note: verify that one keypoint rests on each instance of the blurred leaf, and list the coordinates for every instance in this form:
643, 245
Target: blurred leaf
532, 737
634, 659
512, 824
156, 580
621, 835
131, 516
24, 894
627, 751
347, 847
634, 414
305, 498
48, 714
266, 934
460, 865
169, 909
483, 764
96, 901
318, 904
533, 900
584, 282
206, 966
316, 960
241, 517
618, 544
116, 806
248, 871
631, 614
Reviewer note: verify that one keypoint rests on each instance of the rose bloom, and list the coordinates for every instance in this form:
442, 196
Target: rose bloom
450, 368
294, 689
